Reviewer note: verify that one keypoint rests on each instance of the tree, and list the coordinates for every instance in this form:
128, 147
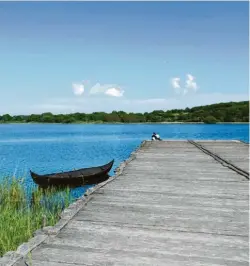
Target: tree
47, 118
68, 120
17, 118
33, 118
59, 118
210, 120
6, 118
113, 117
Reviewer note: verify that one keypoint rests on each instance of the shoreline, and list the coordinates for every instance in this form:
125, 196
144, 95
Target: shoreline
121, 123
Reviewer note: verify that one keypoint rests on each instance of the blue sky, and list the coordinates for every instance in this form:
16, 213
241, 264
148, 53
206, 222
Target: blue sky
134, 56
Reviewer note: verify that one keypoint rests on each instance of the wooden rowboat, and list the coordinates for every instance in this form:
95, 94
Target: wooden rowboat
76, 178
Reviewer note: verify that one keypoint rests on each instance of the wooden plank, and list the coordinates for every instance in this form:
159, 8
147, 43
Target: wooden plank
100, 257
106, 195
222, 176
236, 153
186, 221
145, 242
173, 205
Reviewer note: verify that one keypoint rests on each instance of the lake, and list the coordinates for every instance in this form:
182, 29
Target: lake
46, 148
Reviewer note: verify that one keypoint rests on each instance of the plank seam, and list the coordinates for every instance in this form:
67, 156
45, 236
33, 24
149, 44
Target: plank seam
219, 159
159, 227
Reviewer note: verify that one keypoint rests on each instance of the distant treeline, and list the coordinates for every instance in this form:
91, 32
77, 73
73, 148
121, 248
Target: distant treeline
210, 114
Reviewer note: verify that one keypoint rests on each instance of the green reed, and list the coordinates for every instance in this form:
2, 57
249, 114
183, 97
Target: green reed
22, 214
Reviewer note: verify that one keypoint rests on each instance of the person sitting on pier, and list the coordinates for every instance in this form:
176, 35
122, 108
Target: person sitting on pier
155, 136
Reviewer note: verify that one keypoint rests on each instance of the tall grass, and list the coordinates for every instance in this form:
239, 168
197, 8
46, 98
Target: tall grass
22, 214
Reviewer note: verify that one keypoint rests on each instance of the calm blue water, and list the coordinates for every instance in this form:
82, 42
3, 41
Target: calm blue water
48, 148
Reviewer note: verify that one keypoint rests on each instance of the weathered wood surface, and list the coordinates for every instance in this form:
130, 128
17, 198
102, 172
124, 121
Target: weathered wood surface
173, 205
236, 153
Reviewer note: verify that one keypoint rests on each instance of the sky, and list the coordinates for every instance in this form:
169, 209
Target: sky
65, 57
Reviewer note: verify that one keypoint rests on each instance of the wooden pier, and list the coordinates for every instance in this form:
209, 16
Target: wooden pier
177, 203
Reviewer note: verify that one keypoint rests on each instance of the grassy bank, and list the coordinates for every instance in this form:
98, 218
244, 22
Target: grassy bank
21, 214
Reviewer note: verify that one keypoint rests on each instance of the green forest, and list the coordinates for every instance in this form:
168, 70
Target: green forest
209, 114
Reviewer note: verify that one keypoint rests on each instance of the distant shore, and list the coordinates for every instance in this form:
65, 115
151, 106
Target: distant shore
119, 123
207, 114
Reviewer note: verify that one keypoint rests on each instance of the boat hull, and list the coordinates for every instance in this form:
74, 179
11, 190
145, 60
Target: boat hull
77, 178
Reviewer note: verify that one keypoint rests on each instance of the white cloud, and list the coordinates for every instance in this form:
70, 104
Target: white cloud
191, 83
98, 88
108, 89
175, 82
78, 88
115, 92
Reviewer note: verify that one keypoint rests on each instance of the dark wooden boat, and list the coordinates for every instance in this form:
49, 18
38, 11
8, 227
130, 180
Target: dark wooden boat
76, 178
